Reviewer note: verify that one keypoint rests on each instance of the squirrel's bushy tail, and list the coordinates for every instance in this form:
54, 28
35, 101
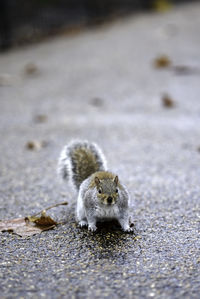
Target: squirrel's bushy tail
79, 160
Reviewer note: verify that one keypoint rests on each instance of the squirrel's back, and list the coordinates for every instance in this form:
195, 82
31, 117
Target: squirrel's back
79, 160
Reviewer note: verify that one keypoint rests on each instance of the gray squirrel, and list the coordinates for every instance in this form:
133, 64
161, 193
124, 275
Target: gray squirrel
101, 196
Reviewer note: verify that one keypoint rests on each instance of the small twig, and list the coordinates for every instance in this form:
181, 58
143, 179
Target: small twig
61, 222
51, 207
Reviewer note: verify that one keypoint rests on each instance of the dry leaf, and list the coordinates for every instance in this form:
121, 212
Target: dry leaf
20, 227
36, 145
42, 221
40, 118
33, 145
162, 61
30, 225
31, 69
167, 101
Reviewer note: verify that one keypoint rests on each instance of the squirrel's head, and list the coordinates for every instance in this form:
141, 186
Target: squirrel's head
107, 190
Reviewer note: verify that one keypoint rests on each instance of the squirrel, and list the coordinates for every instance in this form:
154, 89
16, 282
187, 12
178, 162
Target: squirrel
101, 196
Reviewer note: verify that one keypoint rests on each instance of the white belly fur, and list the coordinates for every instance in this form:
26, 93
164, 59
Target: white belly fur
107, 213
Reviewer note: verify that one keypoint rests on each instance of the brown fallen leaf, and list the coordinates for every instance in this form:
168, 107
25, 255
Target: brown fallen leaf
162, 61
33, 145
20, 227
40, 118
167, 101
42, 221
36, 145
31, 69
30, 225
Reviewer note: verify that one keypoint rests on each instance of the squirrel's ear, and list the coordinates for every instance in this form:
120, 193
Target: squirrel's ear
97, 181
116, 180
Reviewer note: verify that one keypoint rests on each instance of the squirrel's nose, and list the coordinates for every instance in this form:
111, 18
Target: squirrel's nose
109, 200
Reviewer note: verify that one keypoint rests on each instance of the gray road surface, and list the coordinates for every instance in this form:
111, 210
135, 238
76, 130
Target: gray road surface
101, 85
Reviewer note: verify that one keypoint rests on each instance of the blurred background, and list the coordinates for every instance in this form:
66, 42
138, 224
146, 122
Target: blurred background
22, 21
131, 84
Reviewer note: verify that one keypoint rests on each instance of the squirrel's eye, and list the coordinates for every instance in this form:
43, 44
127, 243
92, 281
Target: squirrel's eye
100, 191
116, 190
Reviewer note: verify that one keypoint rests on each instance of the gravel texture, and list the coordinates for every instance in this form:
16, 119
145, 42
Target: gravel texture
101, 85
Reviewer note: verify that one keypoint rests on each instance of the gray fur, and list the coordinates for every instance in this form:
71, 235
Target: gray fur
89, 208
65, 162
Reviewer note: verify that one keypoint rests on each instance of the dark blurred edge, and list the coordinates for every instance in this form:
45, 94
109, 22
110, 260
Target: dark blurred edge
25, 21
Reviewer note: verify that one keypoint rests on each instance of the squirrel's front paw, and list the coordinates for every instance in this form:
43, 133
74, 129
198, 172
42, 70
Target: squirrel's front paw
127, 229
82, 223
92, 227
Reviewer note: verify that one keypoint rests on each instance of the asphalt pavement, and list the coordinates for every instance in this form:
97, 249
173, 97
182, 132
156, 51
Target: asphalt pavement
108, 85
